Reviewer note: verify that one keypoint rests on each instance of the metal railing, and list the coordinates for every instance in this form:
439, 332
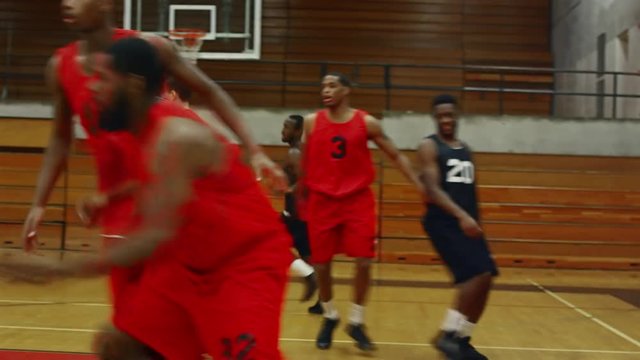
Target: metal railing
503, 85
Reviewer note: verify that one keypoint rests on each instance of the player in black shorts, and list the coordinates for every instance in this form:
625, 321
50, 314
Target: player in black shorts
292, 135
451, 221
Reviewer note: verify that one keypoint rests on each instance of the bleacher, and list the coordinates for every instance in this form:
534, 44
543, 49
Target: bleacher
537, 210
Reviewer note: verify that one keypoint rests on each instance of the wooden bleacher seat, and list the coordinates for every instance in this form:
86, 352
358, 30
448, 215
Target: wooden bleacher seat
538, 210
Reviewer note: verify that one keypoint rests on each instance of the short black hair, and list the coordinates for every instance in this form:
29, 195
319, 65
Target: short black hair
342, 78
136, 56
444, 99
298, 120
183, 91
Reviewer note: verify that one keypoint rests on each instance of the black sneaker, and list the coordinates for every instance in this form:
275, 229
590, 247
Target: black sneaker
449, 345
456, 348
310, 287
325, 337
468, 351
357, 333
316, 309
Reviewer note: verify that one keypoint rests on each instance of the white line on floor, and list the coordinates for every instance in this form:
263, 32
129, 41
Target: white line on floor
482, 347
36, 302
390, 343
586, 314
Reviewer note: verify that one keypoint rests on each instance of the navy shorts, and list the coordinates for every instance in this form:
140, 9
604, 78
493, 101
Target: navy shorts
299, 232
465, 257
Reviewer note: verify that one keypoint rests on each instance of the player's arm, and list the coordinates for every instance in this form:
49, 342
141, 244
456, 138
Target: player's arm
54, 157
89, 207
427, 155
218, 101
307, 127
185, 151
293, 162
379, 137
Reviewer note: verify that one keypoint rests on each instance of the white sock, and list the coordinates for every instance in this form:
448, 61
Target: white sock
452, 320
301, 268
465, 328
357, 314
330, 311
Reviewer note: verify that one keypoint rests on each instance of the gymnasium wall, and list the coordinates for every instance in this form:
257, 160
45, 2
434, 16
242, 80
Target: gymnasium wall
576, 26
485, 133
446, 32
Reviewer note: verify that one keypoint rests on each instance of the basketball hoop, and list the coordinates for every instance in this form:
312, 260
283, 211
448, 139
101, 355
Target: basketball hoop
189, 42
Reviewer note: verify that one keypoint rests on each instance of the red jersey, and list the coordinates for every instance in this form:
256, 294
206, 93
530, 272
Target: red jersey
228, 214
337, 160
109, 149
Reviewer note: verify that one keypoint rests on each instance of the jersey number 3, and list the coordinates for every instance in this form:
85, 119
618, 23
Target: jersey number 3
461, 171
340, 147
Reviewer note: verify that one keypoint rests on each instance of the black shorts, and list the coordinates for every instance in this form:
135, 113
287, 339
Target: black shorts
298, 231
465, 257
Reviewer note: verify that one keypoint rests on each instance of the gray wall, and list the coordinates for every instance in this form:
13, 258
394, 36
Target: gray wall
483, 133
576, 25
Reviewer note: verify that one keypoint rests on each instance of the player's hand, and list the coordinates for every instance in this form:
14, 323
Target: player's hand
89, 208
30, 228
265, 167
470, 227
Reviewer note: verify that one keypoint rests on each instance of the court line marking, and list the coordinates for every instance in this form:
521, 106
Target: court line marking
38, 302
585, 314
481, 347
592, 351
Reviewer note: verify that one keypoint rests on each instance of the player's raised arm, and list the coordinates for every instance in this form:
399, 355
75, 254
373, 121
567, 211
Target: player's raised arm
221, 103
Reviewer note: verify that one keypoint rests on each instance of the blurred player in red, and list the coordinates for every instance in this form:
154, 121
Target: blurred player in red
337, 173
215, 252
70, 73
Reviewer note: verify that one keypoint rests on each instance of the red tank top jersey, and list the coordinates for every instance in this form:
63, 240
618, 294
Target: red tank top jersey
228, 214
112, 151
337, 160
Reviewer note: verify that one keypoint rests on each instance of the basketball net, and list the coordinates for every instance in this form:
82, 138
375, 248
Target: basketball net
189, 42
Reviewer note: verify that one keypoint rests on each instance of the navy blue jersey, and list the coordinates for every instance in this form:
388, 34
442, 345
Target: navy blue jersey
457, 178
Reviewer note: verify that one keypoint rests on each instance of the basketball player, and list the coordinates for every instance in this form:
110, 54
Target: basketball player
178, 92
292, 135
452, 217
216, 253
336, 178
70, 73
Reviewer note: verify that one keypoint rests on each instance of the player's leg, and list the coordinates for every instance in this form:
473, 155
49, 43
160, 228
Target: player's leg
301, 243
300, 265
152, 318
359, 239
323, 225
472, 267
238, 316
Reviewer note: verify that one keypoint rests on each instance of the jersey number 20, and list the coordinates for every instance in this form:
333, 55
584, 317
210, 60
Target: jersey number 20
461, 171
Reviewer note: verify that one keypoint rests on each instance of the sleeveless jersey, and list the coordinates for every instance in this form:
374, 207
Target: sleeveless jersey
110, 149
337, 160
457, 174
227, 215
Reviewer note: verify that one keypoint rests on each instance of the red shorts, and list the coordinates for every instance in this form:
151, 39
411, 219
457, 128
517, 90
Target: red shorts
122, 280
233, 313
341, 225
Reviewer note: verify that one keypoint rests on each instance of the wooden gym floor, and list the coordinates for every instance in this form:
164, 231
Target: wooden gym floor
533, 314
